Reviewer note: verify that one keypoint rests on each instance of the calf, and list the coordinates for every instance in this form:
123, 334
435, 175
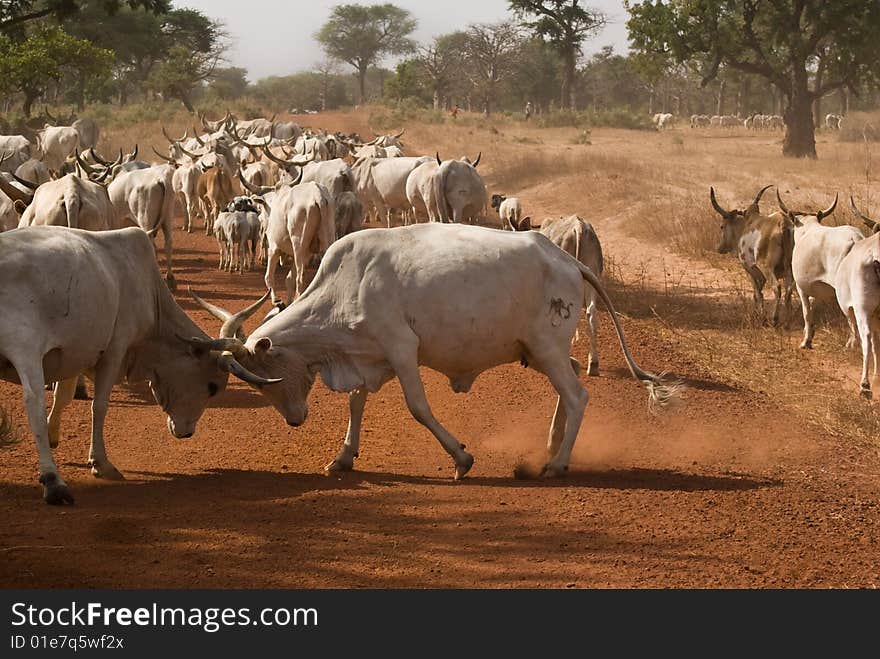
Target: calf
764, 245
509, 210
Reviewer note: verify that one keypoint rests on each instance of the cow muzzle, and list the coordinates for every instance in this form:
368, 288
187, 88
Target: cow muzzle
181, 430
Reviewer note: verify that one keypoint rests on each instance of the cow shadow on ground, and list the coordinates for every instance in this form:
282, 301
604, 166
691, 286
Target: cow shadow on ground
688, 382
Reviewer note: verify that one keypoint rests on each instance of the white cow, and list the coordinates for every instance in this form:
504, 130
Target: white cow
71, 202
14, 150
112, 317
858, 294
516, 298
302, 225
818, 253
459, 191
833, 121
8, 215
55, 144
381, 183
420, 192
146, 197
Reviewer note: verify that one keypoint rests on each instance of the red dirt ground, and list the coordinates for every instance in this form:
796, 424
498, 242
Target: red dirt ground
726, 491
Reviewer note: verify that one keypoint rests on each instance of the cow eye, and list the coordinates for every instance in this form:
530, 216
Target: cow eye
212, 389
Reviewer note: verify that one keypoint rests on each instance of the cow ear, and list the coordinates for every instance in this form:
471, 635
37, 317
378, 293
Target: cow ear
525, 224
263, 345
19, 206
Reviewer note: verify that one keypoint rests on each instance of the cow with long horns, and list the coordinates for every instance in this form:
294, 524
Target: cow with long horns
764, 246
133, 330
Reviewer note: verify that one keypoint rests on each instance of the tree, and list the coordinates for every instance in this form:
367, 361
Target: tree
195, 47
14, 13
439, 62
228, 83
361, 36
564, 24
29, 66
491, 54
780, 41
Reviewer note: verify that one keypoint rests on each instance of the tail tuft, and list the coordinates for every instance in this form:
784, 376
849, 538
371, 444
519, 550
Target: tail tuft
663, 394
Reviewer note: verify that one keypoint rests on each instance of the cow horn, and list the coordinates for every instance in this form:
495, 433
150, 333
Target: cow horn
14, 193
191, 155
232, 325
6, 156
477, 161
233, 346
133, 155
271, 156
48, 114
196, 136
400, 134
84, 165
828, 210
437, 153
781, 203
864, 218
24, 182
228, 363
171, 160
218, 312
169, 138
716, 205
761, 194
97, 158
254, 189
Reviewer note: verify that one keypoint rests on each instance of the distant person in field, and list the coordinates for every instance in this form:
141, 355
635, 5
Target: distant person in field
528, 110
454, 111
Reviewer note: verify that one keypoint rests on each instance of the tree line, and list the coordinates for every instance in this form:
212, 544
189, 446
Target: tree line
696, 56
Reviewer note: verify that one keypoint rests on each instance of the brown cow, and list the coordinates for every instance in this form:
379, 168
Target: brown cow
764, 244
215, 192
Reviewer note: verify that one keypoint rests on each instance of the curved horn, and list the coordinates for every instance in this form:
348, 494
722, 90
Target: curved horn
864, 218
14, 193
233, 324
477, 161
26, 183
400, 134
232, 346
716, 205
169, 138
437, 153
197, 138
133, 155
188, 153
299, 177
6, 156
171, 160
782, 203
218, 312
228, 363
84, 165
271, 156
254, 189
761, 194
828, 210
96, 157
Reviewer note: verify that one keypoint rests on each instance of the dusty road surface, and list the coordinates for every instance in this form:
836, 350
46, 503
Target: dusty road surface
732, 489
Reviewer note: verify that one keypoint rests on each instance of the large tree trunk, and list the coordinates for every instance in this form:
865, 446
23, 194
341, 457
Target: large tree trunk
569, 63
183, 96
800, 134
719, 108
436, 98
29, 98
362, 84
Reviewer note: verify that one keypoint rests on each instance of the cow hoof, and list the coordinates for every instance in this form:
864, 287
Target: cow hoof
55, 490
462, 468
593, 369
865, 392
342, 462
807, 345
81, 392
106, 471
552, 471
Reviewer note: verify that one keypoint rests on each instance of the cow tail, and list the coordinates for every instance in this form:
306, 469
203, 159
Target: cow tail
161, 215
71, 208
660, 393
439, 185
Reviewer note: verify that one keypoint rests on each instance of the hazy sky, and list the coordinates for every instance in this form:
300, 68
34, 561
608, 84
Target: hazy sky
272, 37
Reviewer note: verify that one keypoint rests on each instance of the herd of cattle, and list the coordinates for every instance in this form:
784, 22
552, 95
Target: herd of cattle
362, 306
755, 122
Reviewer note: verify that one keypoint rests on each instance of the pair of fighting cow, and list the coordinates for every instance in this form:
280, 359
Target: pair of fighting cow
378, 308
794, 249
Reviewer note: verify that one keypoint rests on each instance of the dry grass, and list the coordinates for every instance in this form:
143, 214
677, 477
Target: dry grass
7, 429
